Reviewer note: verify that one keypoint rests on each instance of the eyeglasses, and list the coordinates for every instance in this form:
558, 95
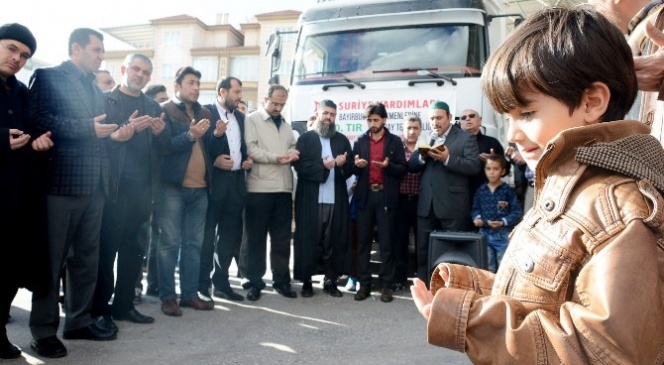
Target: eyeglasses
14, 50
464, 117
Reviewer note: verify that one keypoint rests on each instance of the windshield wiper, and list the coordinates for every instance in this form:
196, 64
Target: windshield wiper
322, 73
421, 71
406, 69
341, 73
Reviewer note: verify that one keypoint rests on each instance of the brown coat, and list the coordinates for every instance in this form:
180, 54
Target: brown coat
581, 282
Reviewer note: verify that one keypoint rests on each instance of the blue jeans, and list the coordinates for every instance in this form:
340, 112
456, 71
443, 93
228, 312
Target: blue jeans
181, 216
496, 241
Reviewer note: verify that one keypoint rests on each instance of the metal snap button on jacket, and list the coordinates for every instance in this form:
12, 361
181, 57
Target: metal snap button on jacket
527, 264
549, 205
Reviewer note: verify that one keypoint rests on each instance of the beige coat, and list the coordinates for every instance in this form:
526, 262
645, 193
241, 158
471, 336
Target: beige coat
264, 144
581, 281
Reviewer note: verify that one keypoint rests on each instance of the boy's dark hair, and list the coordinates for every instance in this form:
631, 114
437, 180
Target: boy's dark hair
183, 72
225, 83
153, 90
81, 36
497, 158
560, 52
375, 108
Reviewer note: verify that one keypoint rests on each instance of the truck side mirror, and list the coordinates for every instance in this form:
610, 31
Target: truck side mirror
517, 22
274, 51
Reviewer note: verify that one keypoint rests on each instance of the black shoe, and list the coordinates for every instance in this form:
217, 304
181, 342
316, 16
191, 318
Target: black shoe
331, 288
254, 294
134, 316
285, 290
363, 293
50, 347
307, 289
205, 293
228, 294
91, 332
386, 295
153, 292
106, 323
8, 350
246, 284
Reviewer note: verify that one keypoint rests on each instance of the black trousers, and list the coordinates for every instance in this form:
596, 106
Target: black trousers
153, 275
375, 214
8, 292
74, 224
124, 234
223, 236
268, 213
406, 220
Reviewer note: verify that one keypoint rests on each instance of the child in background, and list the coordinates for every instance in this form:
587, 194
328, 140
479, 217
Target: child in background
581, 281
496, 210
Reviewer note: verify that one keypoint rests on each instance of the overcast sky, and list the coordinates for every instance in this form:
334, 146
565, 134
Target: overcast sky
51, 21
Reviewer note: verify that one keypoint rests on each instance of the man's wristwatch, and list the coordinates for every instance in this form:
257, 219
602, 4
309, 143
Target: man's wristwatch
191, 137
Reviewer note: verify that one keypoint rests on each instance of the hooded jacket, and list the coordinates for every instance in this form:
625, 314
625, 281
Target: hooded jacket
581, 281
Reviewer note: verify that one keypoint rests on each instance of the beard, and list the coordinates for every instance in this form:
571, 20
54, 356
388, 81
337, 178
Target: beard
325, 130
228, 105
375, 130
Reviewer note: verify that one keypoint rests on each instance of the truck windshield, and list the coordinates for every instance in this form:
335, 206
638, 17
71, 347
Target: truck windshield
456, 50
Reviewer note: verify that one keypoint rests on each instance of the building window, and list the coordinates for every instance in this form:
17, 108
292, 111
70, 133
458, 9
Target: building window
142, 44
168, 71
209, 68
172, 38
244, 68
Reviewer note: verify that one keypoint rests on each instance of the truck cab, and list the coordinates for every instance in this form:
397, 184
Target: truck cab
405, 54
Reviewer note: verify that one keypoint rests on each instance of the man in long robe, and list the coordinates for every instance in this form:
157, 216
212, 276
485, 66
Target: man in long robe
322, 216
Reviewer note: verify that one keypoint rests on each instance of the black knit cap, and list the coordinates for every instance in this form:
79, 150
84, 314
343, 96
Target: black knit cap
19, 33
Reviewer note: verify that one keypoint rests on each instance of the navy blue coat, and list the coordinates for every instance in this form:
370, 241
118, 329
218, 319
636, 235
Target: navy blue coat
174, 163
219, 146
65, 101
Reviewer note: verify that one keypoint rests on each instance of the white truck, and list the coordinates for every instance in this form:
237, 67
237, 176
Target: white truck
405, 54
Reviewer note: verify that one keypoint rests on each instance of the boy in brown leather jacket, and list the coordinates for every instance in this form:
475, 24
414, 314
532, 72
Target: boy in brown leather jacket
581, 281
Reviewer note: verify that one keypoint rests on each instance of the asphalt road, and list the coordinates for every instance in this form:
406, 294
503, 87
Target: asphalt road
275, 330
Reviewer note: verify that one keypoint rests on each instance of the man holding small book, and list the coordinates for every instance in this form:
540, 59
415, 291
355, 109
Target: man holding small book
444, 202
